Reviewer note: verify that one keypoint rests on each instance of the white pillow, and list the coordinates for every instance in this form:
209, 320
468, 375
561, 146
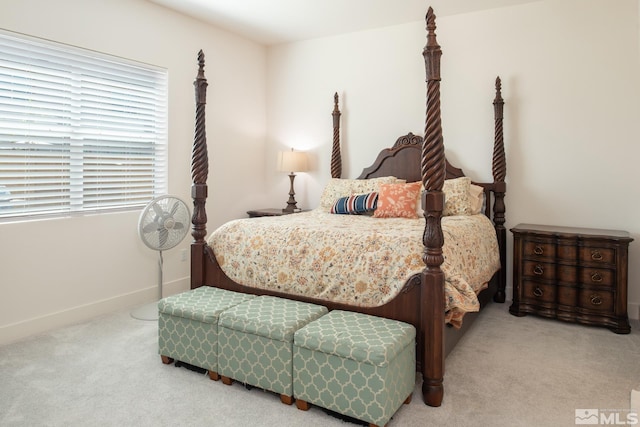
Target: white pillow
460, 197
476, 198
456, 196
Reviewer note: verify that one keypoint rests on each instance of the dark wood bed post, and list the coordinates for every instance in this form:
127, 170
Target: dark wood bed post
499, 169
336, 159
433, 167
199, 173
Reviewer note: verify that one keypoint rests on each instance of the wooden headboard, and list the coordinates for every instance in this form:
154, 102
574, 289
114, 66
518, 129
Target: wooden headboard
402, 160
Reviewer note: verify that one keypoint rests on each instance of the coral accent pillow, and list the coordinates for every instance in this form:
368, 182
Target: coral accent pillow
397, 200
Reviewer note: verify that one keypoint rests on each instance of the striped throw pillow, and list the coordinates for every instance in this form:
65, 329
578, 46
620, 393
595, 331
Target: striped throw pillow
355, 204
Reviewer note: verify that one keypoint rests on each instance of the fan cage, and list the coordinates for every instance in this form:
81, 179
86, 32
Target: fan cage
164, 223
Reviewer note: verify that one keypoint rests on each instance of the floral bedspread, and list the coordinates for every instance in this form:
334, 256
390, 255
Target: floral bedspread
353, 259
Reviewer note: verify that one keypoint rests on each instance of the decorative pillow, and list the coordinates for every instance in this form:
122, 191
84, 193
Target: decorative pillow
397, 200
476, 198
337, 188
456, 196
355, 204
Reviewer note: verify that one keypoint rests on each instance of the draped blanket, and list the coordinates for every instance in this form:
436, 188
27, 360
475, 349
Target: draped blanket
356, 259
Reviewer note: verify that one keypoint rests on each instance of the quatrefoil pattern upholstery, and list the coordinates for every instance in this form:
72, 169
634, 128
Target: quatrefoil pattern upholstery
188, 324
256, 341
358, 365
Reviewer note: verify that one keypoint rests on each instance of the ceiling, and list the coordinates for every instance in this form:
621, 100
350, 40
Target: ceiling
280, 21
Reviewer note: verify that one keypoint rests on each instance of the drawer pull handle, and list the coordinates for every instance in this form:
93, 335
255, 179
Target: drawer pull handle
596, 255
538, 292
596, 277
538, 250
595, 299
538, 270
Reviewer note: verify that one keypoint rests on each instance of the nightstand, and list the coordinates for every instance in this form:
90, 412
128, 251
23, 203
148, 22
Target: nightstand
572, 274
267, 212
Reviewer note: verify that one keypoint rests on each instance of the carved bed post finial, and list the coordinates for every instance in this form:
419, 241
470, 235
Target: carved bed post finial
336, 159
499, 169
433, 159
432, 51
199, 158
433, 166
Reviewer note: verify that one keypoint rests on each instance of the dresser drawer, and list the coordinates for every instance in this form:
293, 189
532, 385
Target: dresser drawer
538, 292
599, 255
586, 275
597, 276
539, 270
541, 250
596, 300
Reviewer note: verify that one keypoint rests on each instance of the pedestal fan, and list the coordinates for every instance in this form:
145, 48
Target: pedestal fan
162, 225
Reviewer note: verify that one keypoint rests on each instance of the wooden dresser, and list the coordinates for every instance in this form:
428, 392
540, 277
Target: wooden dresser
573, 274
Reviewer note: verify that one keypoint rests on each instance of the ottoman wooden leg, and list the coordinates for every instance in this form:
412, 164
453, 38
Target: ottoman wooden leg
408, 399
226, 380
302, 405
287, 400
214, 375
166, 360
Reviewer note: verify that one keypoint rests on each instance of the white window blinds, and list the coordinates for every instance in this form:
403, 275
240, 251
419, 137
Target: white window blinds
79, 131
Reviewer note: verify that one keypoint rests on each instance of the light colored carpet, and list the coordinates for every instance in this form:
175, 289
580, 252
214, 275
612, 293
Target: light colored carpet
506, 371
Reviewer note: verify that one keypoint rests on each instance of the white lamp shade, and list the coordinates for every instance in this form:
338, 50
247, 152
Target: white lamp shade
292, 161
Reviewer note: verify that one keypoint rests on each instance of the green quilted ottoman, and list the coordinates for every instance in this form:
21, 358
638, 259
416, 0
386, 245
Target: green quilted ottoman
354, 364
188, 326
255, 342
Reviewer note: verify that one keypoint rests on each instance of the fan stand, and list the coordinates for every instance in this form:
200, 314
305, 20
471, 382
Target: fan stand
150, 311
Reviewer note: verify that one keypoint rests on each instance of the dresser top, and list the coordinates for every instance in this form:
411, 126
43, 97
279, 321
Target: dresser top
579, 231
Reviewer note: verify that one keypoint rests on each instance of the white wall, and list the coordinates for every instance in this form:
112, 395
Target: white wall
570, 81
53, 272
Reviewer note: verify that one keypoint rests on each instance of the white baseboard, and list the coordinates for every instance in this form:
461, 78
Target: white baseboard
176, 286
37, 325
47, 322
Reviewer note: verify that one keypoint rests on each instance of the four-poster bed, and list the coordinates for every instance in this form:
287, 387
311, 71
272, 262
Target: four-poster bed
412, 159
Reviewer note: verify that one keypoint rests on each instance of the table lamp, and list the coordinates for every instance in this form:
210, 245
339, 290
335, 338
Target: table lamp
292, 161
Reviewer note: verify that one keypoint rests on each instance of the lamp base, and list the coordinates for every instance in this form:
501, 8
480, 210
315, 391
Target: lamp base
292, 205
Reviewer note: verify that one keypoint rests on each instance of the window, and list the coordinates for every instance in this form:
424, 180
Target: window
79, 131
